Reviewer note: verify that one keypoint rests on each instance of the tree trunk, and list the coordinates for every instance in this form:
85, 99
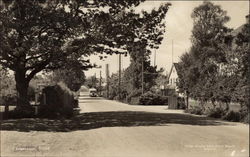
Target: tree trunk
22, 85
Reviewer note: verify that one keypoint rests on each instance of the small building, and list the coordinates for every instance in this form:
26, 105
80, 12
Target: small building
173, 76
175, 99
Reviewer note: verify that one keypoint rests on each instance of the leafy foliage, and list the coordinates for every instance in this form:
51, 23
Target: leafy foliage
59, 102
91, 82
202, 67
44, 35
73, 77
216, 68
195, 110
150, 98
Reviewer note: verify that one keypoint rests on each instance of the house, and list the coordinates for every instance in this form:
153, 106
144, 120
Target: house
175, 98
173, 77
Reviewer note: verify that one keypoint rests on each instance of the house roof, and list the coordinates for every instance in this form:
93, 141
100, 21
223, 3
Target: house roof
177, 68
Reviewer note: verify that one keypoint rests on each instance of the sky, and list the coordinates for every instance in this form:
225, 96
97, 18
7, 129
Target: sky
178, 31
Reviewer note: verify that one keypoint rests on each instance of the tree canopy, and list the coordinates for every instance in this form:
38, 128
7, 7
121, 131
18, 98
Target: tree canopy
217, 66
39, 35
200, 66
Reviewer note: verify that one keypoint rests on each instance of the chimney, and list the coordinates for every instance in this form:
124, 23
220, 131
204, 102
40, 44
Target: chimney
247, 18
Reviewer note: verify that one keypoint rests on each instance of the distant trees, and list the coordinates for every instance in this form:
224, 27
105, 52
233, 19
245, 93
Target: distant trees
91, 82
149, 36
133, 74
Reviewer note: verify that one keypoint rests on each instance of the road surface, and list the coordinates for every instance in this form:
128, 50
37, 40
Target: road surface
113, 129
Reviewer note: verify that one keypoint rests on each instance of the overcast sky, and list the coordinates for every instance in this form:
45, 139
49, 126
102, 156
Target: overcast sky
178, 29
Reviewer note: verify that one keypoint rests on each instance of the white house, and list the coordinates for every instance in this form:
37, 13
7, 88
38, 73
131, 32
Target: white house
173, 76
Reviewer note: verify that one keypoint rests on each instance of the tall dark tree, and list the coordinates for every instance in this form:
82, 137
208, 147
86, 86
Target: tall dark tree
41, 35
200, 66
242, 72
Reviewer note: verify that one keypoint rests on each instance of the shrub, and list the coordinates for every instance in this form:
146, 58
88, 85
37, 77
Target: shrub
150, 98
232, 116
24, 113
245, 119
195, 110
135, 100
60, 102
132, 97
48, 111
10, 100
244, 113
216, 112
181, 103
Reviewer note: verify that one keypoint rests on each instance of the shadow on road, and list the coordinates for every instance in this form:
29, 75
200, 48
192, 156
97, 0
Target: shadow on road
93, 120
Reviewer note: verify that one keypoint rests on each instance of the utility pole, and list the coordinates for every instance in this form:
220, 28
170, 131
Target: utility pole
107, 79
119, 79
142, 75
94, 81
100, 83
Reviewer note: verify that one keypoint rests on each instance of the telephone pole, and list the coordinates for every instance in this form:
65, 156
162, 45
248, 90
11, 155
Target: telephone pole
119, 78
107, 79
142, 72
100, 84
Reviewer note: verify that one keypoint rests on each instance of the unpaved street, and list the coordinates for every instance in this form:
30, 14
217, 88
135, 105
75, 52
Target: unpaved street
109, 128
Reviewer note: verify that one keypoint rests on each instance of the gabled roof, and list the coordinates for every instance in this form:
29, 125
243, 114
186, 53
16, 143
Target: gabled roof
177, 68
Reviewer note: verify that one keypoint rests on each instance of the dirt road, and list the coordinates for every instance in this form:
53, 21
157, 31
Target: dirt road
112, 129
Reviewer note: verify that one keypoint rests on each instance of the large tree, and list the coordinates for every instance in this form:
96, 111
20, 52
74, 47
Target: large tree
41, 35
200, 67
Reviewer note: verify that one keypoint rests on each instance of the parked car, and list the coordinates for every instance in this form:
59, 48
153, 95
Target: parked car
92, 92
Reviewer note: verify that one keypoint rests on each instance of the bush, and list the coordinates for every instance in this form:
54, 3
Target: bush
245, 119
181, 103
195, 110
216, 112
135, 100
48, 111
133, 96
60, 102
24, 113
10, 100
232, 116
244, 114
150, 98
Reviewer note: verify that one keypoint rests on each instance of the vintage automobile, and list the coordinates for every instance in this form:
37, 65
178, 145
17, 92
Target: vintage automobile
92, 92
